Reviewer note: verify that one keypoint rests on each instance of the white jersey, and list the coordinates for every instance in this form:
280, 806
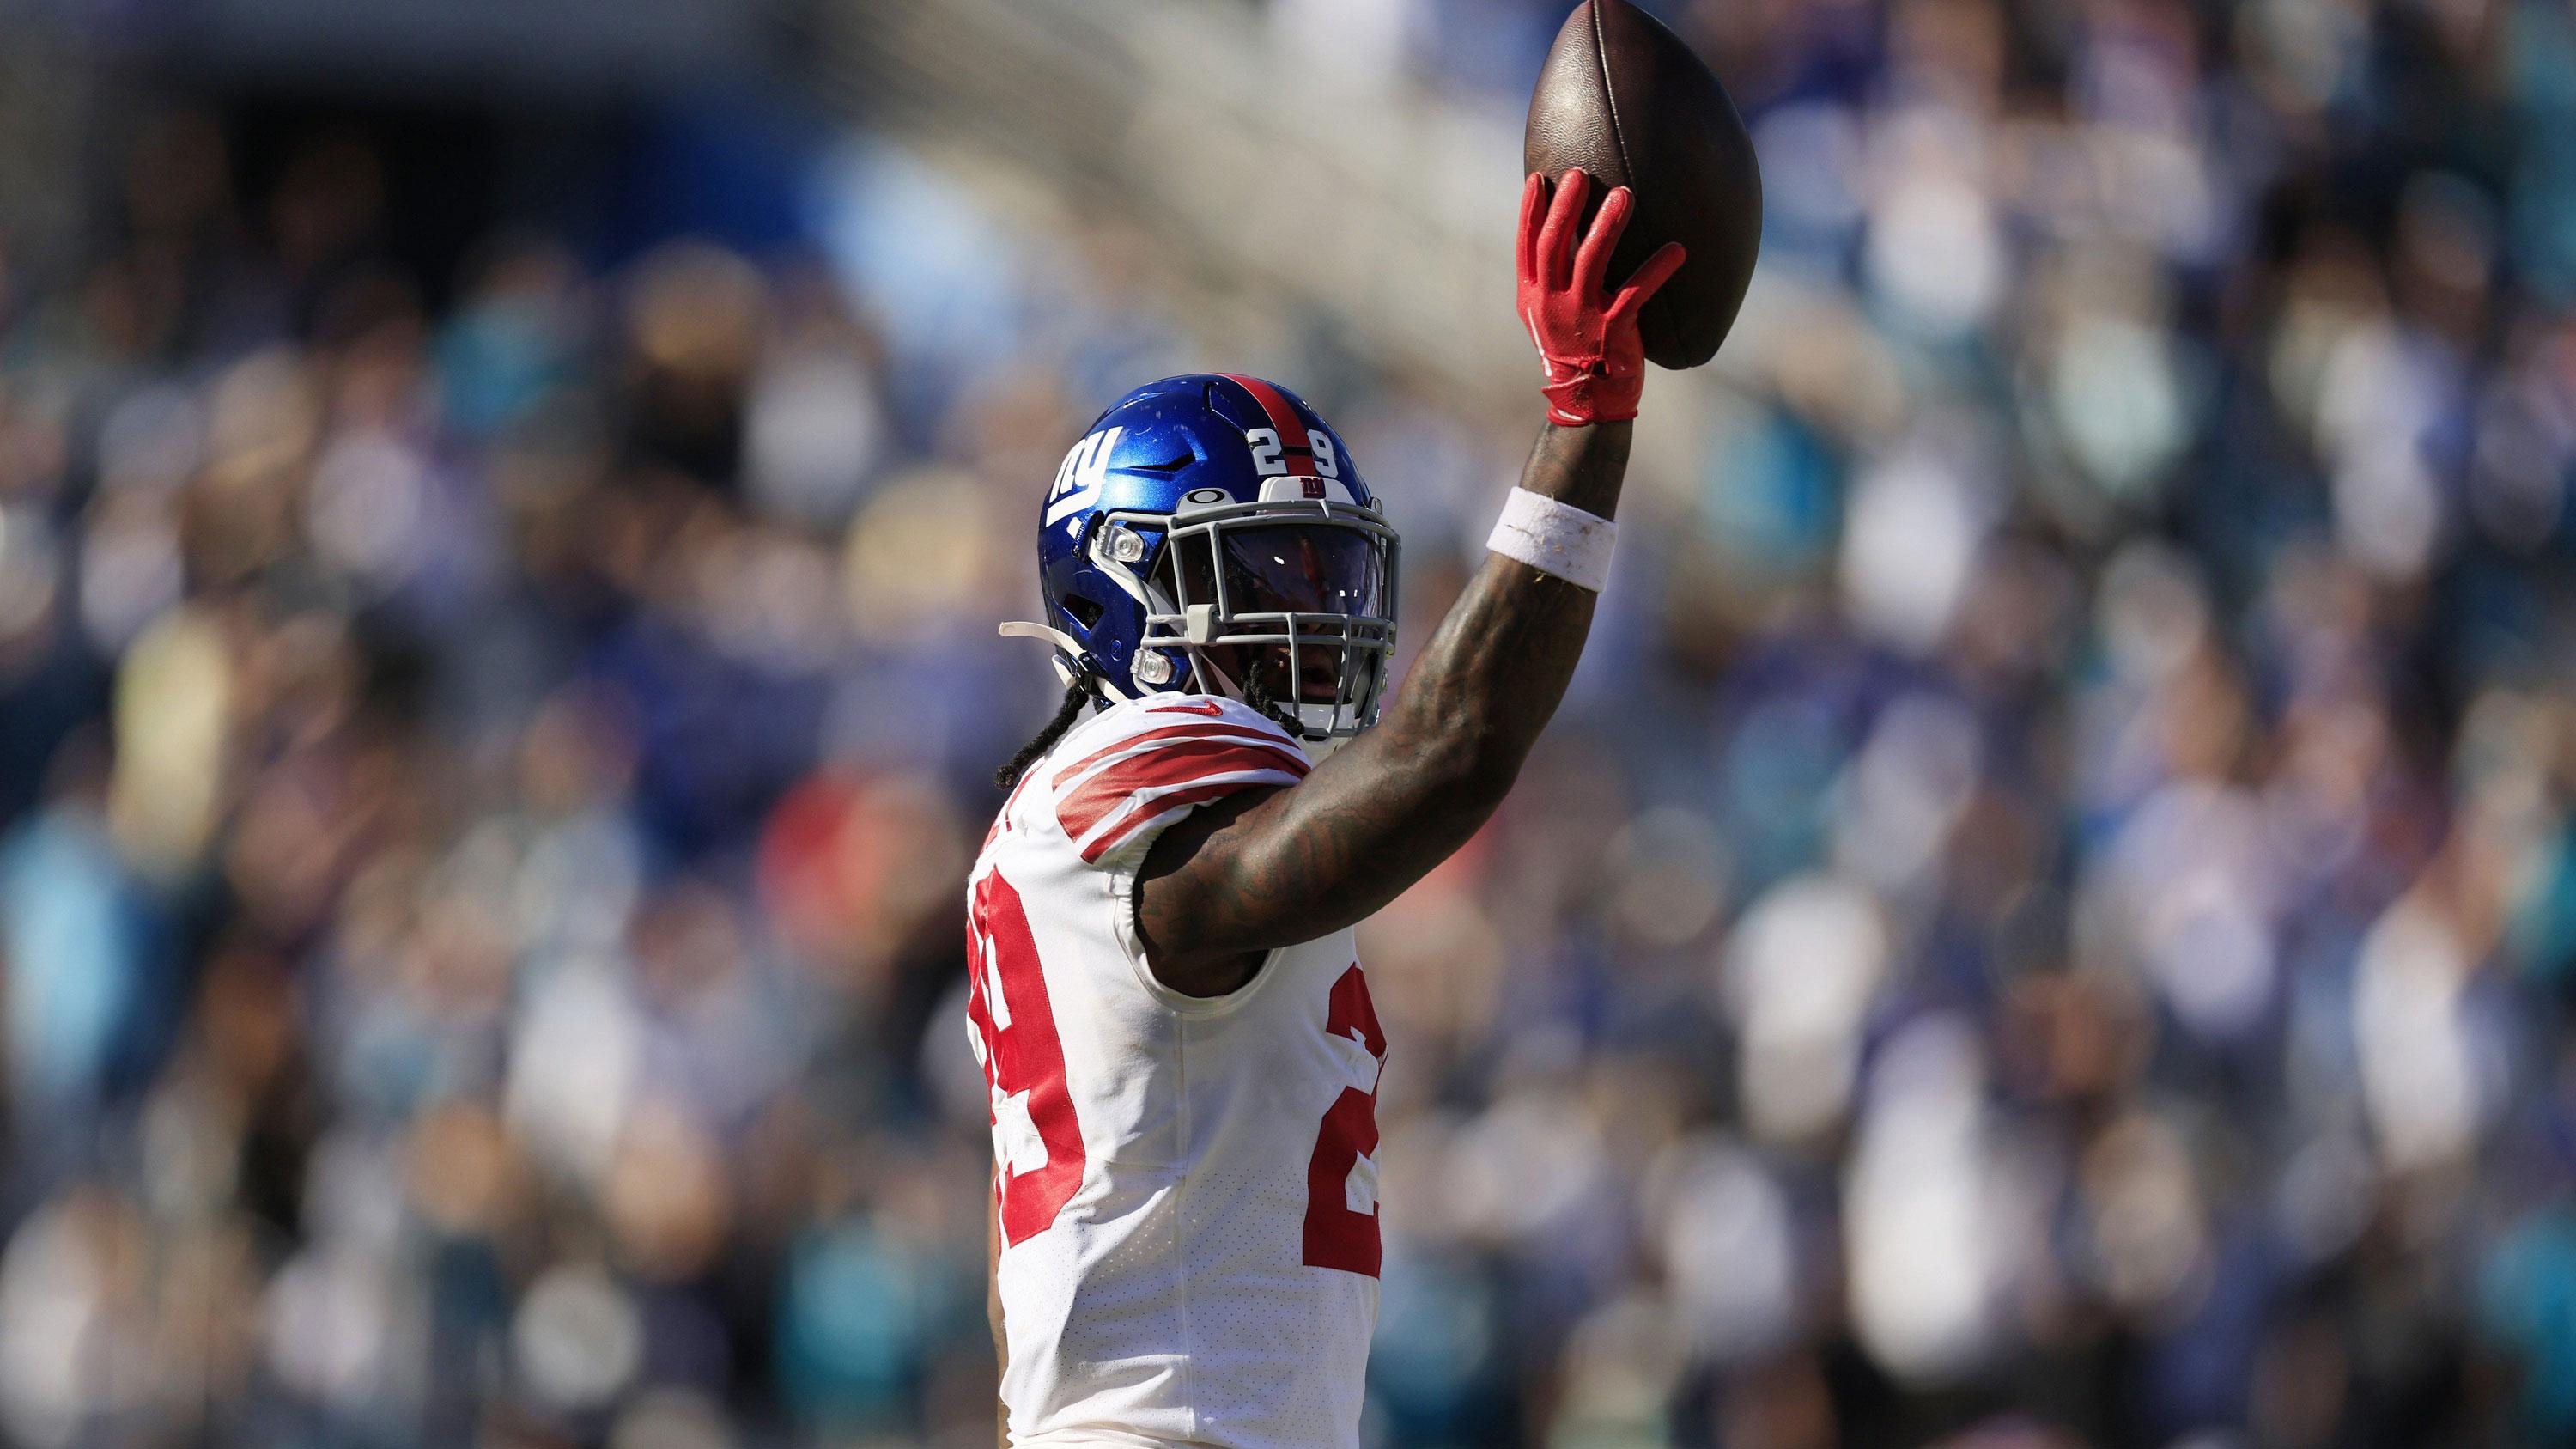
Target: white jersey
1187, 1196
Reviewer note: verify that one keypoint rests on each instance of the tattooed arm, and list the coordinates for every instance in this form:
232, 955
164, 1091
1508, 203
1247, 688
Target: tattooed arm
1269, 869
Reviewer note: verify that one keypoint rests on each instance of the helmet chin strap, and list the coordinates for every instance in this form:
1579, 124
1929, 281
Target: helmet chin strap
1222, 683
1069, 653
1023, 629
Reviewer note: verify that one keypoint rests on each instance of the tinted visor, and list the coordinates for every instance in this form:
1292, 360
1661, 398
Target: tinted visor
1321, 573
1299, 569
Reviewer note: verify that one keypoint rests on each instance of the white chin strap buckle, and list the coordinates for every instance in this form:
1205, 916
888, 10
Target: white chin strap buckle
1066, 646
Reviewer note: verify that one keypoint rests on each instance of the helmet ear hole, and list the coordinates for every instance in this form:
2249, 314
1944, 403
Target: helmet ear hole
1086, 612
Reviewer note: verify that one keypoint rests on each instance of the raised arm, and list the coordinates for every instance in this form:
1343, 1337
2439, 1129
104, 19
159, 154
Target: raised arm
1279, 867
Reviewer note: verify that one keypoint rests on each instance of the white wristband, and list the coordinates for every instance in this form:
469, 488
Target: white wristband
1555, 538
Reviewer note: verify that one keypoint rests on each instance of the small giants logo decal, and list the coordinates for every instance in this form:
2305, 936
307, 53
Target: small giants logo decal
1078, 480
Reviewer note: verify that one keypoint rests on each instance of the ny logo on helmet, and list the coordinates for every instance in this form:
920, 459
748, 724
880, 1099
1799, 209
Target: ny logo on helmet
1079, 478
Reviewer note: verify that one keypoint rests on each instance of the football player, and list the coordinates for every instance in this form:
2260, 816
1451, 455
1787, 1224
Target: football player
1165, 997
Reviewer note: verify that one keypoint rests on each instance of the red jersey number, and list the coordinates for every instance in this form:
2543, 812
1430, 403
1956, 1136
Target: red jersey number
1337, 1234
1038, 1140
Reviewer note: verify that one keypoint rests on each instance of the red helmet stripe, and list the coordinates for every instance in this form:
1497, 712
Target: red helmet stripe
1294, 448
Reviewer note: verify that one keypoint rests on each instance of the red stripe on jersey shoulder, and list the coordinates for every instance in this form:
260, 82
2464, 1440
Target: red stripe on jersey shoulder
1294, 449
1187, 763
1157, 808
1213, 730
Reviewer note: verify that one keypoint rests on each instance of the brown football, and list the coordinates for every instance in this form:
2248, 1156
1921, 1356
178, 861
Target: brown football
1624, 99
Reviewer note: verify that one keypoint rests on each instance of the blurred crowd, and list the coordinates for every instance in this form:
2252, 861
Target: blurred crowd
2047, 921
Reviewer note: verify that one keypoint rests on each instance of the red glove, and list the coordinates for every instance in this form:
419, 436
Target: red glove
1596, 364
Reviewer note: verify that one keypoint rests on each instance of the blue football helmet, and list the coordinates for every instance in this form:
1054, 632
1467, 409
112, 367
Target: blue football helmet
1210, 534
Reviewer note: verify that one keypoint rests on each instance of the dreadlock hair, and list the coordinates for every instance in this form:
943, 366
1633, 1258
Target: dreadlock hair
1076, 695
1256, 692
